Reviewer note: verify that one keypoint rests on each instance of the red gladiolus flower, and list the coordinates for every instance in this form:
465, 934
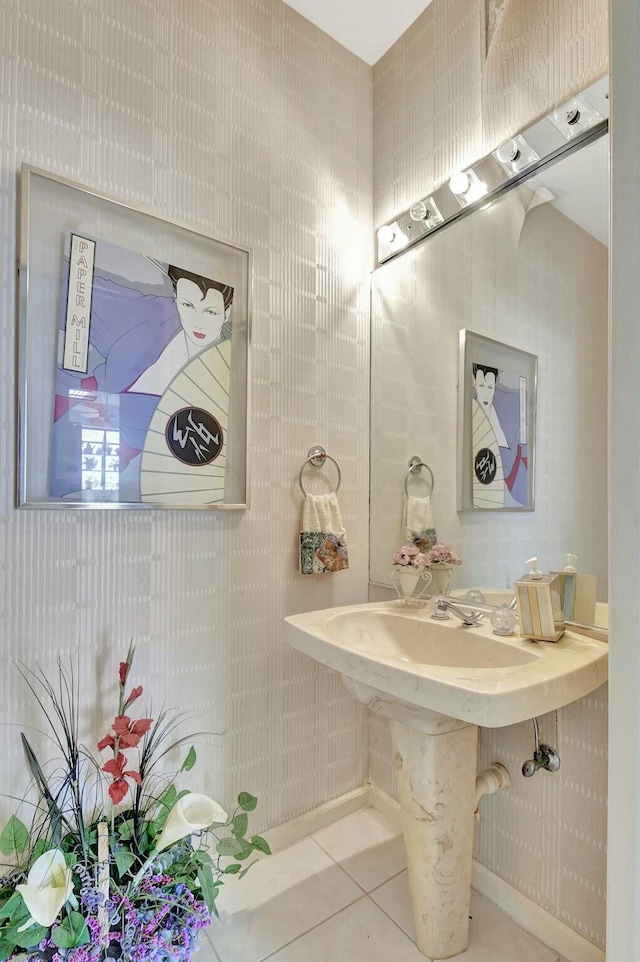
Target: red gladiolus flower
130, 732
107, 742
135, 693
118, 790
124, 671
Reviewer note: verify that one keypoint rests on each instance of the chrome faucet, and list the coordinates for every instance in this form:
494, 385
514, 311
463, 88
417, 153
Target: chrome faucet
469, 618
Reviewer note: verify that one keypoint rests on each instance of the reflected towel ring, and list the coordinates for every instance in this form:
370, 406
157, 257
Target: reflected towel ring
415, 465
318, 456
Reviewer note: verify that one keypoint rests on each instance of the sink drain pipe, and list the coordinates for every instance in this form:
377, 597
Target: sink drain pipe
489, 781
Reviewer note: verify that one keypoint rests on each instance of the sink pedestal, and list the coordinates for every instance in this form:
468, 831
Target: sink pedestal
436, 786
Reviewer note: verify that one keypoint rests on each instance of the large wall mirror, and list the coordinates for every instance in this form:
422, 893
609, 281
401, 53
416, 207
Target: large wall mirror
530, 271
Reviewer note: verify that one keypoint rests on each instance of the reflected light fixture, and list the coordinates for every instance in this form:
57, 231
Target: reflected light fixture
425, 214
577, 121
574, 117
392, 237
515, 155
467, 187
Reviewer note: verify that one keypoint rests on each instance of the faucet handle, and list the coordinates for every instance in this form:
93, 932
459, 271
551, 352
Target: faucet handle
439, 608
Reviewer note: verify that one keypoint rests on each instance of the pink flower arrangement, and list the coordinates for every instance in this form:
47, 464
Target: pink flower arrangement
441, 553
410, 554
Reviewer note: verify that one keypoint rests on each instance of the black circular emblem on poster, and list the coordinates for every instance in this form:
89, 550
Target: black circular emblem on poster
485, 465
194, 436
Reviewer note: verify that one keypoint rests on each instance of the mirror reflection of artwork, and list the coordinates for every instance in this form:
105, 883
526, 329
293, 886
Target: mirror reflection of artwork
499, 438
143, 370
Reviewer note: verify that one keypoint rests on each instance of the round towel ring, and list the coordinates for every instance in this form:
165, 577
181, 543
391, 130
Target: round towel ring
318, 456
415, 464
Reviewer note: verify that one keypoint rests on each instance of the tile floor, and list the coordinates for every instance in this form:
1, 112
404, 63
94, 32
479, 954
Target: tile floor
342, 894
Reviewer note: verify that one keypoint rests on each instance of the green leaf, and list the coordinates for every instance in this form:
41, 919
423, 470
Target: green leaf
232, 869
260, 844
124, 860
6, 949
247, 849
72, 932
205, 877
125, 830
229, 846
13, 904
31, 937
14, 837
41, 846
203, 857
247, 802
170, 797
240, 824
189, 761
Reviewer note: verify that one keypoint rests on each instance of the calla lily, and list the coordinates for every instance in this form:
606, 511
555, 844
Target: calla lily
48, 886
192, 813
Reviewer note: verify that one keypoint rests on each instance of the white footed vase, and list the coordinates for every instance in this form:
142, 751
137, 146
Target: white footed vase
410, 583
441, 572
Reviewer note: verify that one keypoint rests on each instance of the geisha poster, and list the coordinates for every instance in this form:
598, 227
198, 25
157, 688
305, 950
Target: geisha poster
142, 379
499, 432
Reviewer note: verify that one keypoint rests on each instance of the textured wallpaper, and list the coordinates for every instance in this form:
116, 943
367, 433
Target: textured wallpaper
242, 120
541, 54
427, 104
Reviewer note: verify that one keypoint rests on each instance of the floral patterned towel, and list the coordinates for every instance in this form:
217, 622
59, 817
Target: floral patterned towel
323, 542
419, 527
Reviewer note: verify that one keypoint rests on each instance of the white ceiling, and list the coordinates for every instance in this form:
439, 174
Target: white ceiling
580, 185
365, 27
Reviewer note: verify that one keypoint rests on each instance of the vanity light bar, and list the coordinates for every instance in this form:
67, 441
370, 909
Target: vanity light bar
571, 125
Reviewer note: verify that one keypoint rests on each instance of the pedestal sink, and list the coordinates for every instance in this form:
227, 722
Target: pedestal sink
437, 682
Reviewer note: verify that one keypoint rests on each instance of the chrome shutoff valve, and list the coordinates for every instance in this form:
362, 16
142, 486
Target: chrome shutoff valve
543, 756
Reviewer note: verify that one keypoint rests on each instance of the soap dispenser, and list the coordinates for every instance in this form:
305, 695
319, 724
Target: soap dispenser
539, 602
577, 592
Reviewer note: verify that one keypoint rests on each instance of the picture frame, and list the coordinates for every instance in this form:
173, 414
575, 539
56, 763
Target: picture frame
133, 355
497, 388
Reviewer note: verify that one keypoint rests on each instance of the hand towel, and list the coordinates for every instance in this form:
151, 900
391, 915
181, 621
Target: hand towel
323, 542
418, 522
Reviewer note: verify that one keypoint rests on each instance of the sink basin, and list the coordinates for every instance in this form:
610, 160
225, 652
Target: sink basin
438, 682
414, 640
469, 674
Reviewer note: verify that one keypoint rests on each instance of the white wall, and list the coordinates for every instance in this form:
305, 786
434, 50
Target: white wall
623, 897
242, 120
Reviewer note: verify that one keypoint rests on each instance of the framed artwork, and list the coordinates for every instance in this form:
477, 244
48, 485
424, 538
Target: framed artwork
133, 356
496, 425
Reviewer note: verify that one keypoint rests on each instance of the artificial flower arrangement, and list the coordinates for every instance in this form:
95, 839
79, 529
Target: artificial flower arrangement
135, 879
410, 554
441, 553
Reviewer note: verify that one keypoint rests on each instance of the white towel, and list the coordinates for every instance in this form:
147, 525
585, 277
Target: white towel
418, 522
323, 542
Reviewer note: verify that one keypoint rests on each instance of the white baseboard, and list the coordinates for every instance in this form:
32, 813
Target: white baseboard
526, 913
282, 836
529, 916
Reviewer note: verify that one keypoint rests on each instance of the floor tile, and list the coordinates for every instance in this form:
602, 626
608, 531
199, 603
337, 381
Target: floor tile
282, 897
358, 933
366, 845
493, 936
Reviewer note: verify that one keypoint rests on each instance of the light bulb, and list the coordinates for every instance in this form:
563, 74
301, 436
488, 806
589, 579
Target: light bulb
386, 234
568, 113
508, 152
459, 183
419, 211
